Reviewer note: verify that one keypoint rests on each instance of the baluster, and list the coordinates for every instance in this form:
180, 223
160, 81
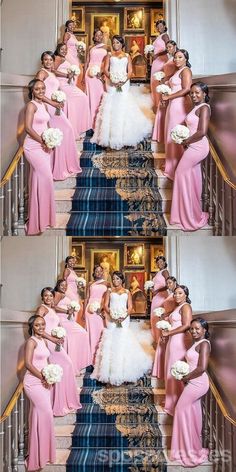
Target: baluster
210, 421
205, 185
8, 443
21, 428
21, 193
15, 438
211, 203
231, 447
205, 421
216, 232
217, 451
223, 207
2, 441
231, 215
222, 443
15, 201
9, 207
2, 204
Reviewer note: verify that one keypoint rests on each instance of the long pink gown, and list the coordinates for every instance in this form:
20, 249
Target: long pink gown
176, 112
157, 65
65, 397
94, 86
186, 208
157, 301
72, 288
77, 103
94, 322
77, 340
42, 446
158, 369
65, 161
176, 349
72, 50
159, 126
41, 207
186, 444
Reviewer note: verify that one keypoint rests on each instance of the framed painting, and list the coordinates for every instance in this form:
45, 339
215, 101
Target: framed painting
134, 19
134, 255
78, 16
108, 259
109, 24
135, 44
134, 282
78, 251
156, 250
156, 15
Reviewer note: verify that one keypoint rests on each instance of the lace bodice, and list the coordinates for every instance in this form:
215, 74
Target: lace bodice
118, 64
118, 301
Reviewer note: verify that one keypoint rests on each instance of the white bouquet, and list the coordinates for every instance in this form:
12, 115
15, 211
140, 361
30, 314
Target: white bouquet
164, 325
148, 285
163, 89
59, 96
59, 333
81, 45
94, 70
52, 137
94, 306
179, 133
74, 305
118, 77
159, 75
149, 48
81, 282
159, 312
52, 373
179, 369
115, 315
74, 69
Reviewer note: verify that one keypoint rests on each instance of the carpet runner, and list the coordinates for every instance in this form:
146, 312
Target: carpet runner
116, 430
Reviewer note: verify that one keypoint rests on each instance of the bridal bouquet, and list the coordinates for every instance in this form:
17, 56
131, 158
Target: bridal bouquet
164, 325
163, 89
74, 69
94, 307
52, 373
117, 77
52, 137
115, 315
81, 282
159, 312
59, 97
179, 133
73, 306
94, 71
59, 333
159, 75
81, 46
149, 48
179, 369
148, 285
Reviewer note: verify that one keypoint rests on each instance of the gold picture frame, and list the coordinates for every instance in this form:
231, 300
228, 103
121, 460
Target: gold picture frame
109, 23
78, 16
134, 19
78, 251
134, 282
155, 251
134, 255
82, 37
156, 14
109, 259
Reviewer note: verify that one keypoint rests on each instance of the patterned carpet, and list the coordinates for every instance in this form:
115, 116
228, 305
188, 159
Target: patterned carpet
117, 194
117, 430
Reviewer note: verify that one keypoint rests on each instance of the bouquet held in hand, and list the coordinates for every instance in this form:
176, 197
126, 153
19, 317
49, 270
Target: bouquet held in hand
159, 75
118, 77
52, 137
81, 282
59, 97
60, 333
149, 49
94, 307
74, 69
94, 71
148, 285
179, 369
164, 325
81, 46
163, 89
116, 315
52, 373
179, 133
159, 312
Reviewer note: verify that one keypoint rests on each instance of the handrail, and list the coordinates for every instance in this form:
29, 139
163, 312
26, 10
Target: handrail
220, 402
12, 166
220, 166
12, 402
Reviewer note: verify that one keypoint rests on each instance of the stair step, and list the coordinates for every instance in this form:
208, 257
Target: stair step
163, 181
175, 467
157, 147
173, 230
166, 196
163, 417
166, 432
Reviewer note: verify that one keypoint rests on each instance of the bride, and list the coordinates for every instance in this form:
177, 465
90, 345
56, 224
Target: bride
121, 357
124, 118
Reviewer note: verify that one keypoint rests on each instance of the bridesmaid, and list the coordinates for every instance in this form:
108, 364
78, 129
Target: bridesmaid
169, 305
186, 208
65, 161
41, 447
41, 207
71, 42
77, 339
65, 398
77, 103
177, 110
169, 69
71, 277
95, 85
94, 320
178, 343
186, 444
159, 292
160, 56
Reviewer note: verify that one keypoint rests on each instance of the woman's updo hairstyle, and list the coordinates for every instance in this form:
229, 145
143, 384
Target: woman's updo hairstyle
31, 85
172, 278
162, 22
31, 321
204, 325
162, 258
46, 289
120, 275
204, 89
68, 258
120, 39
186, 55
94, 33
56, 289
59, 45
186, 291
47, 53
94, 269
67, 23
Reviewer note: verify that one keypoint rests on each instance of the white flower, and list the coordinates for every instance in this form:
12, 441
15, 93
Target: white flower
58, 332
52, 137
163, 89
94, 70
165, 325
74, 69
81, 45
149, 48
115, 315
74, 305
148, 284
59, 96
159, 75
52, 373
179, 133
117, 77
94, 306
81, 281
179, 369
159, 312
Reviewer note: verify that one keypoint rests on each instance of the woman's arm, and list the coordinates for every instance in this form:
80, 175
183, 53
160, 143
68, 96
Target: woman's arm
42, 311
87, 297
29, 352
186, 315
66, 37
165, 38
107, 302
204, 353
29, 117
204, 117
186, 82
66, 273
129, 304
107, 66
130, 69
57, 299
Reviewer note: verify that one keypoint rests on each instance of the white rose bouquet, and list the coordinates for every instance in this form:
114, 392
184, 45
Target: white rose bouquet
149, 49
179, 133
94, 307
58, 332
59, 97
74, 69
159, 75
118, 77
81, 46
179, 369
164, 325
94, 70
81, 282
116, 315
159, 312
163, 89
75, 306
52, 373
148, 285
52, 137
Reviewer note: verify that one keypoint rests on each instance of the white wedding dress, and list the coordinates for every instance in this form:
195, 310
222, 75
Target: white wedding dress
124, 354
124, 118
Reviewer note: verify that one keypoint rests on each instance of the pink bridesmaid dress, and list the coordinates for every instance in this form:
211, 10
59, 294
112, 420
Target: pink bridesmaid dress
42, 446
72, 50
94, 322
77, 340
176, 112
176, 349
157, 301
65, 397
41, 208
94, 86
72, 288
159, 126
157, 65
77, 103
186, 208
186, 444
65, 161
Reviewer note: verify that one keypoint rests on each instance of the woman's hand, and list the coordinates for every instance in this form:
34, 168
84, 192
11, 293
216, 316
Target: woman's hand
44, 383
186, 143
165, 98
186, 379
45, 148
165, 333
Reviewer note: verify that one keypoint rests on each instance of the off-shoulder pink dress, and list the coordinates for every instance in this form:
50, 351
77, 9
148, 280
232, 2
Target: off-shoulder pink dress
186, 444
94, 86
159, 126
157, 65
41, 446
157, 301
72, 50
94, 322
